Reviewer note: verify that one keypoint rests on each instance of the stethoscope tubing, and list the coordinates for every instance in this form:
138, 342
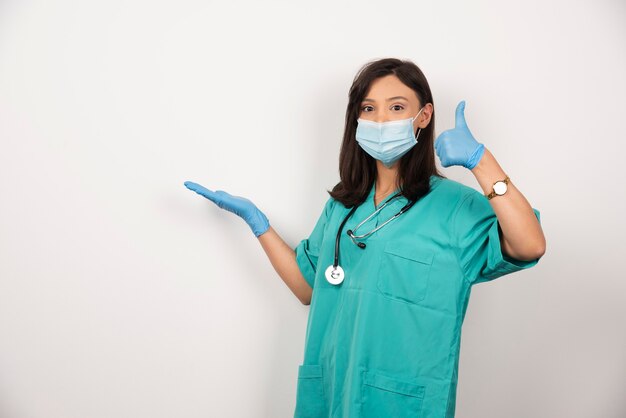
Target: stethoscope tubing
355, 237
336, 262
350, 232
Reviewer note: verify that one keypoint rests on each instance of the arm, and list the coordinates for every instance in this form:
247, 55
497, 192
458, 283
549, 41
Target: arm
523, 237
283, 259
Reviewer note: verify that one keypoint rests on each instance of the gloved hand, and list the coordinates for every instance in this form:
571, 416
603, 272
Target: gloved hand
457, 146
240, 206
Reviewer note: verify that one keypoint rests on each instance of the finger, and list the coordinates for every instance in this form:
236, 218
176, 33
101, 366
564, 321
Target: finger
203, 191
460, 115
441, 147
439, 142
196, 187
224, 194
223, 198
191, 185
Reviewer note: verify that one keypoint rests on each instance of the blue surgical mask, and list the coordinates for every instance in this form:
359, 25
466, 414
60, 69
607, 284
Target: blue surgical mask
387, 141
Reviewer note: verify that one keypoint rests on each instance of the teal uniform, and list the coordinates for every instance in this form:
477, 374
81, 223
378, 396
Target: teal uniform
385, 342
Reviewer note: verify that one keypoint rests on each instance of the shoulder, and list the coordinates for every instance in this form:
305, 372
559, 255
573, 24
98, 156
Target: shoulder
330, 206
458, 202
452, 191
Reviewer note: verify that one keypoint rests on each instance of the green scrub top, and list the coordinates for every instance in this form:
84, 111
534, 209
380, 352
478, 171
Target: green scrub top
385, 342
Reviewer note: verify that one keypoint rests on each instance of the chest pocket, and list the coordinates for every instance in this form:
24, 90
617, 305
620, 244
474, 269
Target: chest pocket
405, 271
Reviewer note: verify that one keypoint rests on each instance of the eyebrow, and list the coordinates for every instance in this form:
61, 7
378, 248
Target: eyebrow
389, 99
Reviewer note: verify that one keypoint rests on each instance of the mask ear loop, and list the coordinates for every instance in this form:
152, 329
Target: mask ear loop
418, 113
418, 129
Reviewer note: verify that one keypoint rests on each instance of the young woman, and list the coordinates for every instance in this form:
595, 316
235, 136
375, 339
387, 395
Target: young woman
389, 266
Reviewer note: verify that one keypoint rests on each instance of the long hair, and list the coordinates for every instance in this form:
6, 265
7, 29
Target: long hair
357, 169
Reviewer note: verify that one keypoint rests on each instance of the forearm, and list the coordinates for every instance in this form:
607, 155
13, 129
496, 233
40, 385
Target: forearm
523, 237
283, 259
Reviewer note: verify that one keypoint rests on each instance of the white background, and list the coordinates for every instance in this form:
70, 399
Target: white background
123, 294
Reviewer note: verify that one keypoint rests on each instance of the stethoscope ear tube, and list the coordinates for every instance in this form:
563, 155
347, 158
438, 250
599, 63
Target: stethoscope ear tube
407, 207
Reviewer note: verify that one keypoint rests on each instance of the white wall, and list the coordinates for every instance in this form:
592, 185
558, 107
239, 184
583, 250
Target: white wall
123, 294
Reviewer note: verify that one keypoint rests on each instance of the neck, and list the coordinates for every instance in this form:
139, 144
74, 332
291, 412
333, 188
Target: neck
386, 179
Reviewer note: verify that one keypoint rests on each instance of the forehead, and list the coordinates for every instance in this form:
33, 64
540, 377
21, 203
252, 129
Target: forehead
389, 88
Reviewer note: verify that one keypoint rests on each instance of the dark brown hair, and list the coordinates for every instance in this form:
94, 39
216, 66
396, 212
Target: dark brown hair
357, 169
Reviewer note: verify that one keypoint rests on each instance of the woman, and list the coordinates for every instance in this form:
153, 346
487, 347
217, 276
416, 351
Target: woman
388, 300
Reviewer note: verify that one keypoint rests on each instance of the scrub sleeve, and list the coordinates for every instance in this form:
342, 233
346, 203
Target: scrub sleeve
308, 250
477, 231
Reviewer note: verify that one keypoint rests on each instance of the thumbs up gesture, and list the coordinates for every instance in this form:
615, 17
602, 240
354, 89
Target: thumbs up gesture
457, 146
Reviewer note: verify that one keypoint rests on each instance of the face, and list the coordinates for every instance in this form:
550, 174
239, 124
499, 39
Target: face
390, 99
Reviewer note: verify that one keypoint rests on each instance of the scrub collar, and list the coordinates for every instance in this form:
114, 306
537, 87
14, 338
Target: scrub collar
370, 197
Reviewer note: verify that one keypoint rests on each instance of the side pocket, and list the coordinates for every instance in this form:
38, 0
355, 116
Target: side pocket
385, 396
310, 397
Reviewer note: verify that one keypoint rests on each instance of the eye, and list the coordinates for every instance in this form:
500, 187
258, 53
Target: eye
394, 106
364, 107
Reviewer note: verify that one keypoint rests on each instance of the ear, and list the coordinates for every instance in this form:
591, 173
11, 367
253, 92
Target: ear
424, 118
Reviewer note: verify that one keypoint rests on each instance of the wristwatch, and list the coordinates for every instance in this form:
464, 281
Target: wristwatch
499, 188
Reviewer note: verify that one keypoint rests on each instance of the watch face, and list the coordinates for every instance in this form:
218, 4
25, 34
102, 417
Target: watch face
499, 187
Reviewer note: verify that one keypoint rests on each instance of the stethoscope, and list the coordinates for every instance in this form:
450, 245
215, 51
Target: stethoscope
334, 273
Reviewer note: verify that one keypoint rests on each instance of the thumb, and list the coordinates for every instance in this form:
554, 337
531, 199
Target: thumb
460, 115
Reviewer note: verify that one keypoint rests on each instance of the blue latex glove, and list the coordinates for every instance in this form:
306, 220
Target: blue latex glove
240, 206
457, 146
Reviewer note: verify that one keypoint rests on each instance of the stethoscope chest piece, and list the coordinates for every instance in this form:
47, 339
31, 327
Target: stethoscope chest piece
334, 275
